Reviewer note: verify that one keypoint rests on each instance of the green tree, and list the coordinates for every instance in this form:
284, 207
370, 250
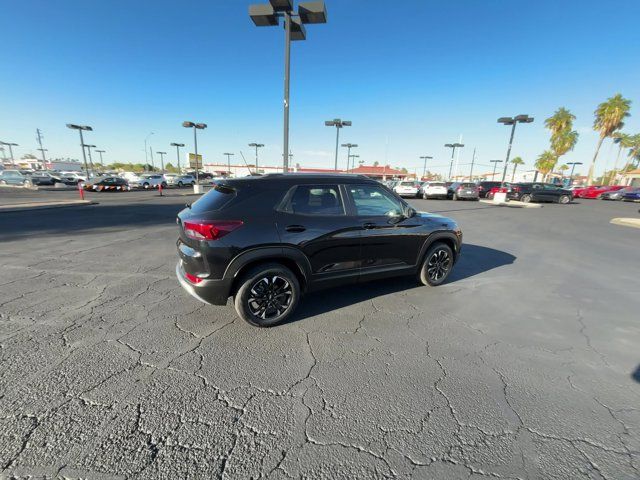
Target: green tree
563, 168
516, 161
545, 163
376, 163
623, 140
609, 118
634, 150
563, 137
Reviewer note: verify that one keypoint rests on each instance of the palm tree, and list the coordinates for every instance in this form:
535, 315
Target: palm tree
516, 161
564, 142
609, 119
634, 149
563, 168
545, 163
623, 140
560, 121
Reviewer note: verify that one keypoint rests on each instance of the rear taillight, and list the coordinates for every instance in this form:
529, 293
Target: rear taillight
192, 278
209, 229
459, 188
515, 189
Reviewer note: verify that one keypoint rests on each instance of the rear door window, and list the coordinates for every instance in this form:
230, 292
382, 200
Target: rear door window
315, 200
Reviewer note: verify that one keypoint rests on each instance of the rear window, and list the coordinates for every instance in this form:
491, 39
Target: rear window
408, 184
468, 185
214, 199
437, 184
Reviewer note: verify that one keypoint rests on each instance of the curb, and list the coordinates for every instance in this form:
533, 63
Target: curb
511, 204
25, 207
626, 222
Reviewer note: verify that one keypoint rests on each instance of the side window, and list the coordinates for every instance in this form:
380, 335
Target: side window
536, 186
371, 200
316, 200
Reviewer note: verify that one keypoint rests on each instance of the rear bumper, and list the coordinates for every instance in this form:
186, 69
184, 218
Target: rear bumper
212, 292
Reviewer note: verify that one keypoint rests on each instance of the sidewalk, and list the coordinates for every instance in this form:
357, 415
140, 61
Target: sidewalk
511, 204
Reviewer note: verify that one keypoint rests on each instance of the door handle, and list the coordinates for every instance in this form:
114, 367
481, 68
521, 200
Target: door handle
295, 228
369, 226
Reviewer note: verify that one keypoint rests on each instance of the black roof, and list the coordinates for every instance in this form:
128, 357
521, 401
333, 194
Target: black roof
298, 178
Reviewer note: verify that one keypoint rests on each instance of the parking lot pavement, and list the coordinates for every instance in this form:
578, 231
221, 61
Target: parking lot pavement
523, 365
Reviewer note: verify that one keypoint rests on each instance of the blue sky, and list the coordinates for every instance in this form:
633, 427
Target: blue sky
410, 78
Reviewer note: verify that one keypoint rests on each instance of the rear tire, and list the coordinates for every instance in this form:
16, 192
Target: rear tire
564, 199
268, 295
455, 197
437, 264
424, 196
525, 198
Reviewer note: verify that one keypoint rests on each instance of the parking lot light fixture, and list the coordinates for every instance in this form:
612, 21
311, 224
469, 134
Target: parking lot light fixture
196, 127
573, 166
257, 146
80, 129
268, 15
10, 145
178, 145
349, 146
513, 121
424, 170
338, 123
495, 164
229, 155
453, 147
101, 160
89, 147
353, 162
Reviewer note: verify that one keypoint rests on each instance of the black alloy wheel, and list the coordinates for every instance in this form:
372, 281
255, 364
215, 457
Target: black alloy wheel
437, 264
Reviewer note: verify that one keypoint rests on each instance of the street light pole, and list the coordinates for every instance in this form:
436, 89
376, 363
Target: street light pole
349, 147
473, 159
146, 158
353, 163
424, 170
453, 147
89, 147
178, 145
196, 127
101, 160
44, 158
229, 155
42, 149
268, 15
10, 145
513, 121
162, 154
573, 166
495, 164
257, 146
338, 123
80, 128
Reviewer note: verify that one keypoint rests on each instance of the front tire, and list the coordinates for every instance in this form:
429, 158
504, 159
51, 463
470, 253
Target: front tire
145, 186
437, 264
564, 199
268, 295
455, 197
525, 198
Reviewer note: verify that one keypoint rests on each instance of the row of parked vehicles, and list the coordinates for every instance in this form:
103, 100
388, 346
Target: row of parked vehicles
525, 192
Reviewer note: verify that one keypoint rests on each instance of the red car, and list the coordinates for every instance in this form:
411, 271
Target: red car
597, 191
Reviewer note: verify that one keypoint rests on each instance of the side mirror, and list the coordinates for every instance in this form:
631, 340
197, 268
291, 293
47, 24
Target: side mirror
411, 212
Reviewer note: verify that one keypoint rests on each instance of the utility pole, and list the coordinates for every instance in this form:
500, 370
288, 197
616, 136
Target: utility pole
473, 159
229, 155
424, 170
42, 149
162, 154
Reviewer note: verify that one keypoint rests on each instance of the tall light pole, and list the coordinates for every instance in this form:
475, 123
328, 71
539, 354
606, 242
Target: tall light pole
196, 127
44, 158
268, 15
229, 155
257, 146
82, 128
424, 170
101, 160
573, 166
10, 145
338, 123
89, 147
162, 154
178, 145
513, 121
453, 147
495, 164
353, 162
42, 149
146, 158
349, 147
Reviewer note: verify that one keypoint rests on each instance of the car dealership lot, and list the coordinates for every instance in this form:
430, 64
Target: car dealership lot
523, 365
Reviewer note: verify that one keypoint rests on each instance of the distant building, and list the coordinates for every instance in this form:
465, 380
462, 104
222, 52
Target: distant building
235, 171
631, 178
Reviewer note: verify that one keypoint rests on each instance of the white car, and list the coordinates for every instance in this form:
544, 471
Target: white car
171, 178
434, 190
407, 189
80, 177
148, 180
185, 180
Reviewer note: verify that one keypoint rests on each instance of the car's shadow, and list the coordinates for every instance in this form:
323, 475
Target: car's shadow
475, 260
636, 374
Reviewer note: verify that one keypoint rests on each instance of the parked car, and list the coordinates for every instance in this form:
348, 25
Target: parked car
77, 176
617, 194
407, 188
184, 180
599, 191
433, 190
267, 240
485, 187
170, 178
50, 178
463, 191
114, 184
14, 177
632, 196
539, 192
493, 190
579, 190
148, 180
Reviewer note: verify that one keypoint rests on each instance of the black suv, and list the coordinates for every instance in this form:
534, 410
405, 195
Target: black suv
266, 240
539, 192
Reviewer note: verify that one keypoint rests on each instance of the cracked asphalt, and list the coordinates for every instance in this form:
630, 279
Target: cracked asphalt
524, 365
